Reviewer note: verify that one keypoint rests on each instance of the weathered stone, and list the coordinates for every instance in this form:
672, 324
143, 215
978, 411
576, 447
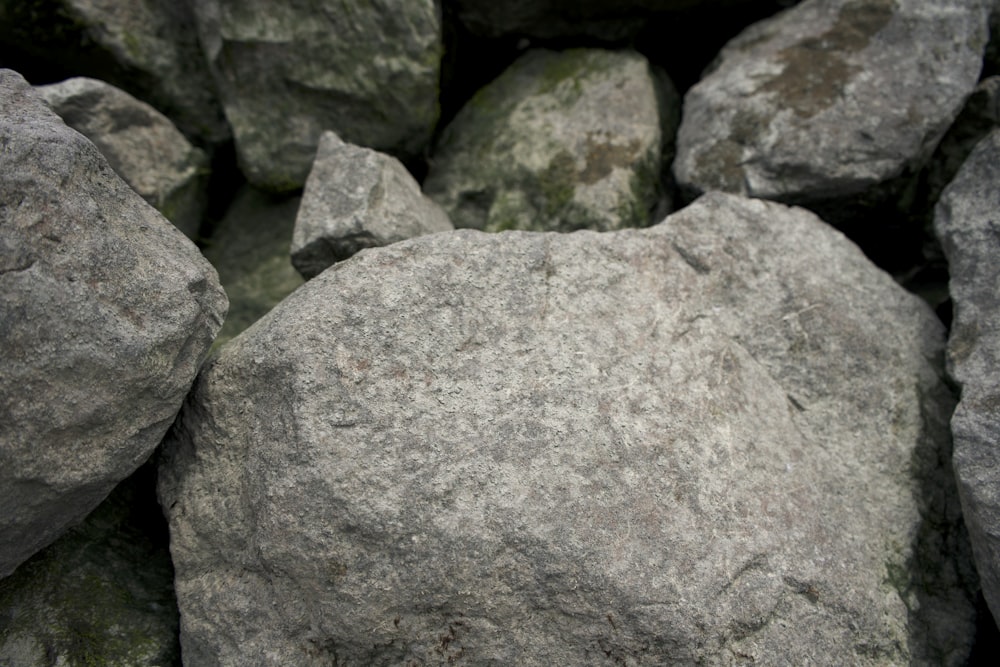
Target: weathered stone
102, 594
146, 47
106, 313
357, 198
250, 248
140, 143
560, 141
720, 439
286, 72
830, 99
967, 225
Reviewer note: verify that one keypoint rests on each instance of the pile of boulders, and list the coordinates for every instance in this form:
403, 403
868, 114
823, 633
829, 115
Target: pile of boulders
558, 332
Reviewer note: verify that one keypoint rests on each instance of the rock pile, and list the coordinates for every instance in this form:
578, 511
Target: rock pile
654, 418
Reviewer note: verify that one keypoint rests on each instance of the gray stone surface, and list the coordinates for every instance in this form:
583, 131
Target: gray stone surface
101, 595
106, 313
969, 230
250, 248
560, 141
288, 71
830, 98
147, 47
140, 143
357, 198
719, 440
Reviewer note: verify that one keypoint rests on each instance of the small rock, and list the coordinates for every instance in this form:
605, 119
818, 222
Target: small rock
357, 198
830, 99
967, 225
140, 143
288, 71
560, 141
106, 313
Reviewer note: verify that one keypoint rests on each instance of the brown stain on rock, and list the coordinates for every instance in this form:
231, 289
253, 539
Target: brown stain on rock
602, 157
815, 69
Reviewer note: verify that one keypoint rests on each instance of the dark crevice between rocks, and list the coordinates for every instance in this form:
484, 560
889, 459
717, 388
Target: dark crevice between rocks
224, 183
685, 43
941, 579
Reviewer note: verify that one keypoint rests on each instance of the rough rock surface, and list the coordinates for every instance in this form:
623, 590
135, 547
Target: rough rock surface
357, 198
721, 439
147, 47
102, 594
368, 71
560, 141
249, 248
140, 143
831, 98
967, 224
106, 313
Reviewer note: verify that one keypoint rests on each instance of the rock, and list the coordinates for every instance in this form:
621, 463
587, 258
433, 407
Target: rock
357, 198
106, 313
250, 248
140, 143
723, 438
830, 99
146, 47
287, 72
560, 141
102, 594
966, 223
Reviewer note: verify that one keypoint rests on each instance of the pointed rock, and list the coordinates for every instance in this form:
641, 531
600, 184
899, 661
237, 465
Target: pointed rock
357, 198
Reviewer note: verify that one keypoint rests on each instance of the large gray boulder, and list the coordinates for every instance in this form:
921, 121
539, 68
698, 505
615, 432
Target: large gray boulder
249, 248
140, 143
357, 198
148, 47
721, 439
102, 594
106, 313
830, 99
966, 223
560, 141
286, 72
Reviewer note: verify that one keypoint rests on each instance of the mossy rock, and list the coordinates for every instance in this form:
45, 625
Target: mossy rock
560, 141
100, 595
